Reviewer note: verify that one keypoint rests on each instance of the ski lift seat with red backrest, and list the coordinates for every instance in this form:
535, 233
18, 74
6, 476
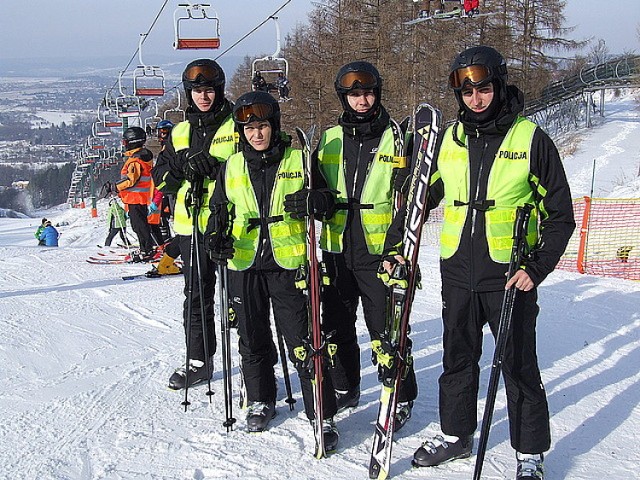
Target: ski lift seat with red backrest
196, 12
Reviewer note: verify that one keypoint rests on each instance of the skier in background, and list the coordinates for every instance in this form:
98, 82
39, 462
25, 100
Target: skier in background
135, 186
39, 230
117, 220
49, 235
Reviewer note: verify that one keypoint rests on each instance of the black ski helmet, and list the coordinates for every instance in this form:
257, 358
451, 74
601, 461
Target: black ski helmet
495, 71
358, 75
204, 73
134, 137
254, 106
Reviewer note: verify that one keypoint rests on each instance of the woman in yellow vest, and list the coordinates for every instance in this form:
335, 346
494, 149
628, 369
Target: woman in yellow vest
264, 248
193, 155
357, 162
491, 161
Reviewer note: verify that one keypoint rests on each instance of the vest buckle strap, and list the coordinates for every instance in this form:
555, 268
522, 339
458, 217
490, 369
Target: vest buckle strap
353, 205
483, 205
257, 222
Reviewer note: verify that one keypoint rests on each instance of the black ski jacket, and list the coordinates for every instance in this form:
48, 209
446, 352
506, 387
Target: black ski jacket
360, 145
471, 266
168, 170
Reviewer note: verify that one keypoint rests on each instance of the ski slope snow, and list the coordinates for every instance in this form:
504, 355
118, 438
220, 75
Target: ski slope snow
86, 357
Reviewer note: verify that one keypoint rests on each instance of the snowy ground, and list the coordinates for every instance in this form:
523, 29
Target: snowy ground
86, 357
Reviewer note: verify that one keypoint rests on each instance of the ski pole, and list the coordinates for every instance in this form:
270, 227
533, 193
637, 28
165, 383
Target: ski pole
196, 202
223, 279
285, 368
506, 314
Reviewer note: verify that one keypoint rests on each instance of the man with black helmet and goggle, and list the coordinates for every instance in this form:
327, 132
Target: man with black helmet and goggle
492, 161
264, 247
357, 163
190, 160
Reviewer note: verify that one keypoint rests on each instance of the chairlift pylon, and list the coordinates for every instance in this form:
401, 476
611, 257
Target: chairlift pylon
197, 12
148, 80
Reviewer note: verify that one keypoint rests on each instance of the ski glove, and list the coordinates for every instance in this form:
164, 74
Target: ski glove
200, 164
219, 246
176, 163
401, 180
307, 202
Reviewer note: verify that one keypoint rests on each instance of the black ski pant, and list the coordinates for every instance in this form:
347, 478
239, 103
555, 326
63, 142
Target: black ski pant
138, 217
113, 231
251, 293
194, 331
339, 305
464, 313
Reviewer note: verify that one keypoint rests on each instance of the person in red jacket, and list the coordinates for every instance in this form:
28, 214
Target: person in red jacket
135, 186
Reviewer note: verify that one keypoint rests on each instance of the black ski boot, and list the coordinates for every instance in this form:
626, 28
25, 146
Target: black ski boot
403, 414
259, 414
438, 450
347, 398
197, 374
529, 466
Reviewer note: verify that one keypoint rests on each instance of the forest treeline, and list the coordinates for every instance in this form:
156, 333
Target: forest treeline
413, 60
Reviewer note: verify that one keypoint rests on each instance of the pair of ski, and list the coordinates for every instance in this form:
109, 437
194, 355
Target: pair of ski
427, 123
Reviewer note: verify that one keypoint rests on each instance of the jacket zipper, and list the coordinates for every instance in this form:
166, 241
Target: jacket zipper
474, 212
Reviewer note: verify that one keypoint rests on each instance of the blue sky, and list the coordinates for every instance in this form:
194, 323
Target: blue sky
86, 28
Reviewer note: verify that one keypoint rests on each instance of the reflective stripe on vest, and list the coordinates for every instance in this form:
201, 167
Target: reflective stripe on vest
377, 191
138, 193
287, 236
222, 146
508, 186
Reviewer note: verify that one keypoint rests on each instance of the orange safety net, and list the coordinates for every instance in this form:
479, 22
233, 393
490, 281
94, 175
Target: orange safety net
607, 238
606, 241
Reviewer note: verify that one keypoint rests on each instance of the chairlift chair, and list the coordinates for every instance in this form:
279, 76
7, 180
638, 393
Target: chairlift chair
107, 112
176, 114
95, 144
272, 64
153, 120
148, 80
99, 129
191, 13
127, 105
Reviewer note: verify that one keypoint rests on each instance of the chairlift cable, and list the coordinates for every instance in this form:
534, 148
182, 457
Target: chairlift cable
254, 29
135, 53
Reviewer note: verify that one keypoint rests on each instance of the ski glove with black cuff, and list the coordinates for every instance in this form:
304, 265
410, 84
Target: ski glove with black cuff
307, 202
199, 165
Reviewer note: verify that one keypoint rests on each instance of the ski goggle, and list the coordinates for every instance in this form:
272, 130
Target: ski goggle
250, 113
476, 75
203, 74
351, 80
